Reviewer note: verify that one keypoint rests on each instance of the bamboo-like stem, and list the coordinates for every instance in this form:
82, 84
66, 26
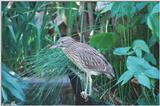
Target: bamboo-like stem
90, 14
82, 18
124, 34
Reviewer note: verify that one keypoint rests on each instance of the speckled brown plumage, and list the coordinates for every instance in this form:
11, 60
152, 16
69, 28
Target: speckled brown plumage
86, 58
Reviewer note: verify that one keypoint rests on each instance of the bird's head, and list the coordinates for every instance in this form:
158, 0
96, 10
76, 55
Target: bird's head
63, 42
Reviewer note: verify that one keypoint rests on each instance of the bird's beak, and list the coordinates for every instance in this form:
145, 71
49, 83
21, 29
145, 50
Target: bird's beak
54, 46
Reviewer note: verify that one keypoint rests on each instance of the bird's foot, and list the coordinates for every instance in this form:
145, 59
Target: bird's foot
85, 95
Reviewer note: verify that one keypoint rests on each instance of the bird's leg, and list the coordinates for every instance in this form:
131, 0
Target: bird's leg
90, 85
86, 89
84, 93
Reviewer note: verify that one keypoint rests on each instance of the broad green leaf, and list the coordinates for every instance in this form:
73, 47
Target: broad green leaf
150, 6
140, 5
107, 8
150, 58
122, 51
153, 21
15, 92
135, 64
103, 41
138, 52
143, 80
132, 60
139, 65
140, 44
156, 9
152, 41
120, 9
152, 73
125, 77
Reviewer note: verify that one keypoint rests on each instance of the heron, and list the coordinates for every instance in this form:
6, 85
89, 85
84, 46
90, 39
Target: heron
87, 59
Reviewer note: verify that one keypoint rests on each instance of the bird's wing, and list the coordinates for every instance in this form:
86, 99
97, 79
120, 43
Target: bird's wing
88, 58
94, 51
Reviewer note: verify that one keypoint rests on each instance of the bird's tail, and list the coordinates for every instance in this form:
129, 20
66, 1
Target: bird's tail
109, 72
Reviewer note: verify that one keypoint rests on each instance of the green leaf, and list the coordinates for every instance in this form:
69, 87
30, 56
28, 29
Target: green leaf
135, 64
122, 51
153, 24
120, 9
152, 73
139, 65
11, 84
107, 8
15, 92
150, 57
140, 44
156, 9
138, 52
125, 77
152, 41
153, 21
143, 80
4, 95
103, 41
140, 5
12, 32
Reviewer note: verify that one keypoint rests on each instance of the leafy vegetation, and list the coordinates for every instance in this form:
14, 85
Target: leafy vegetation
11, 86
102, 38
126, 33
137, 65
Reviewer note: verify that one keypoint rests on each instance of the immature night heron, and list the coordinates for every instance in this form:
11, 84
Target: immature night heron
87, 59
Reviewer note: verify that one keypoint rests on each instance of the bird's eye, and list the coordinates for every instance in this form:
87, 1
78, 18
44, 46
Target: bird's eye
62, 42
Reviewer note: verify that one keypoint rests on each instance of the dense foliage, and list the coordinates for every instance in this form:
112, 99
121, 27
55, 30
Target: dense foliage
126, 33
